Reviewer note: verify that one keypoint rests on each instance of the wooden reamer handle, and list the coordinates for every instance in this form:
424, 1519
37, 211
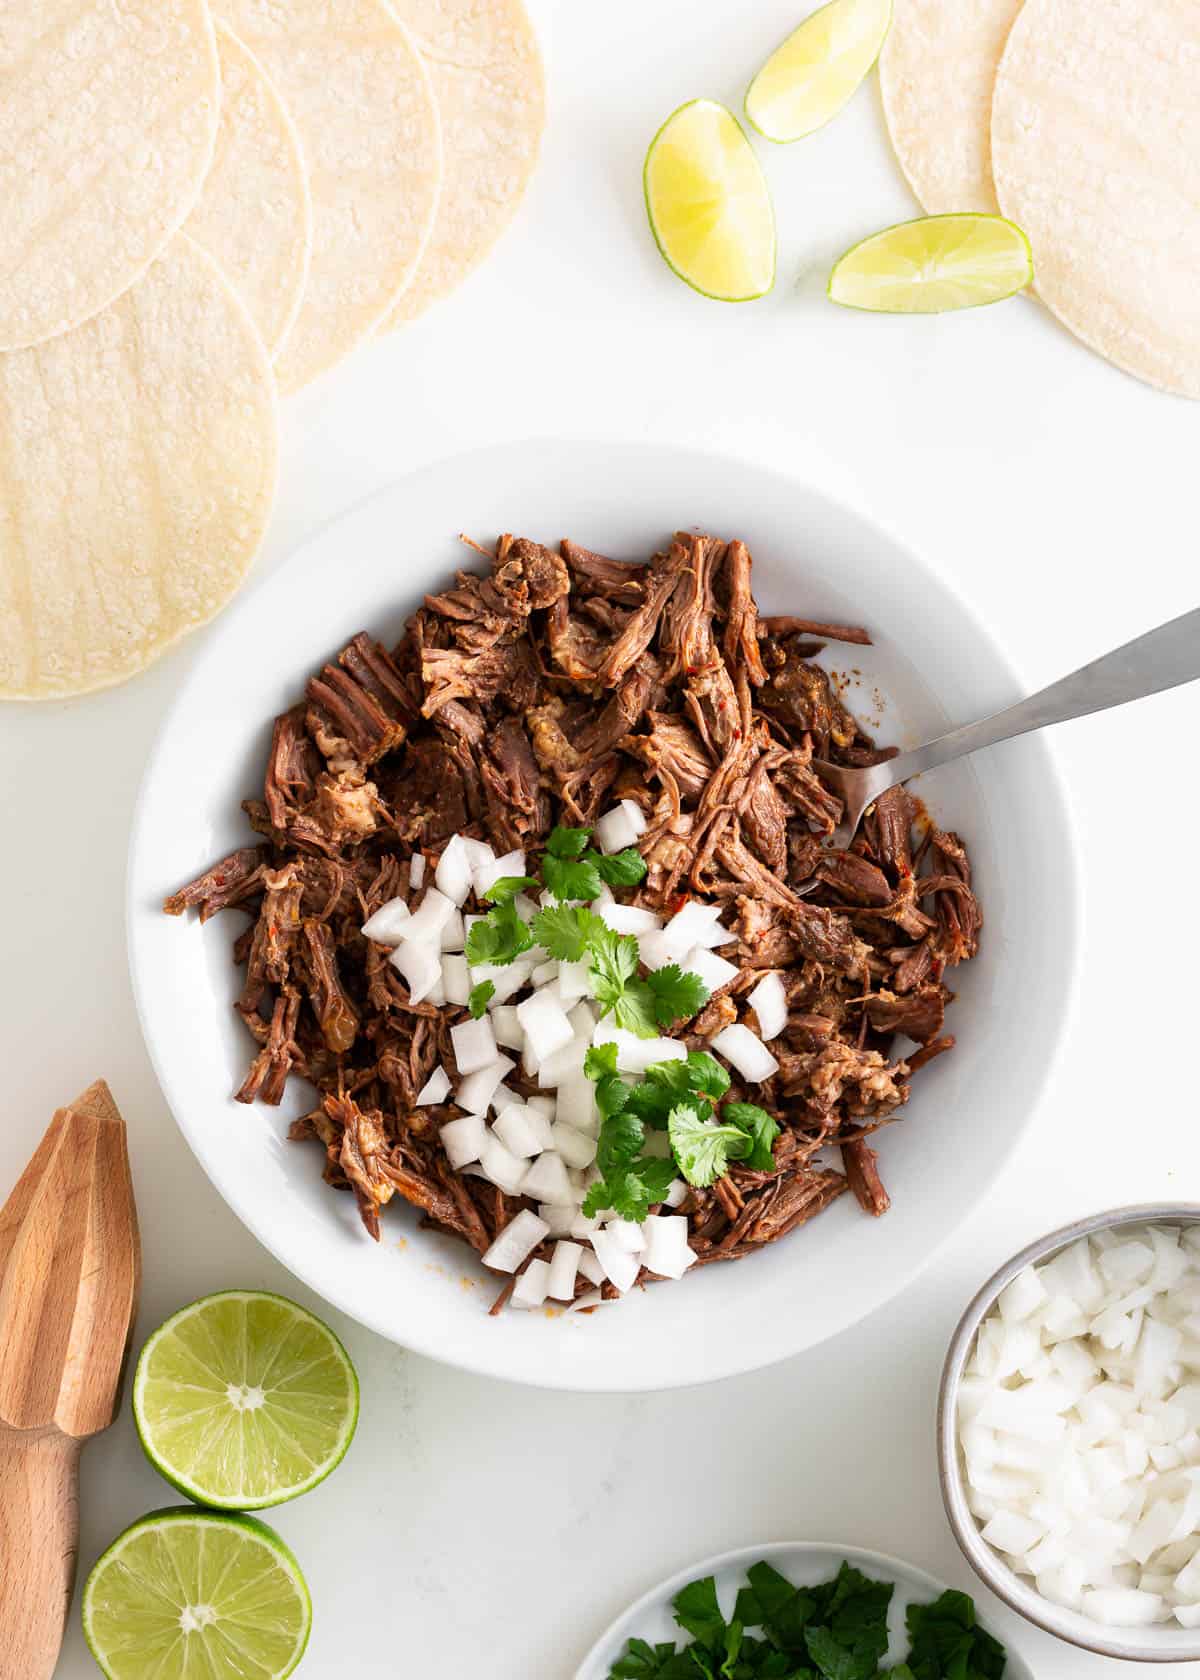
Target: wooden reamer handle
39, 1537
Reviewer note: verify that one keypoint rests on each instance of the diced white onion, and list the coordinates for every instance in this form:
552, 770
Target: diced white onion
586, 1303
532, 1286
627, 1233
474, 1045
590, 1266
546, 1179
516, 1242
429, 918
656, 950
746, 1051
689, 925
506, 1171
463, 1140
506, 1026
507, 979
716, 935
584, 1225
574, 980
576, 1148
677, 1193
519, 1132
480, 1089
389, 923
634, 1054
769, 1003
667, 1252
712, 969
577, 1104
618, 829
544, 973
620, 1266
490, 870
564, 1267
421, 965
558, 1216
454, 934
453, 873
455, 979
416, 870
545, 1025
629, 918
435, 1089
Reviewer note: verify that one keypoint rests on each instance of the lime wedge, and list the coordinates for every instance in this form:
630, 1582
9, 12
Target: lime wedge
936, 263
808, 79
197, 1595
244, 1400
708, 204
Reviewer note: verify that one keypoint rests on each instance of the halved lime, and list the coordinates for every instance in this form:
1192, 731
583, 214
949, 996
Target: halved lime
244, 1399
708, 204
934, 264
808, 79
197, 1595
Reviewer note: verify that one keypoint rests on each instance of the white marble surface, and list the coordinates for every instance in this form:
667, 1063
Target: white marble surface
477, 1528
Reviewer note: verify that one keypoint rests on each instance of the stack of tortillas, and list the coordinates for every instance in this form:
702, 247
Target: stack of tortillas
204, 202
1080, 121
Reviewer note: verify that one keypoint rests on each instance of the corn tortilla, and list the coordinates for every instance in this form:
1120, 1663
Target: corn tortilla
361, 98
487, 76
108, 117
255, 215
137, 466
936, 76
1095, 142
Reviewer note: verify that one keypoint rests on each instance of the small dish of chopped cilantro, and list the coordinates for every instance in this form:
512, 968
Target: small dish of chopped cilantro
802, 1611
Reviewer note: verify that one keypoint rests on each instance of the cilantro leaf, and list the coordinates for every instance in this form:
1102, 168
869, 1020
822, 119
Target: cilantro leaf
678, 995
480, 997
620, 1141
698, 1613
499, 937
619, 869
600, 1060
633, 1009
834, 1661
624, 1191
567, 842
565, 930
703, 1147
759, 1127
571, 878
948, 1645
657, 1174
506, 887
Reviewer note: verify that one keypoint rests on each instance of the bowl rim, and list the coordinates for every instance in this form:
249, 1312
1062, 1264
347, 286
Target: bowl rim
1060, 1008
1067, 1625
866, 1558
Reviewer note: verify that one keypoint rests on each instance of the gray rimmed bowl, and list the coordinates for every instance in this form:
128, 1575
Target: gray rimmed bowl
1141, 1644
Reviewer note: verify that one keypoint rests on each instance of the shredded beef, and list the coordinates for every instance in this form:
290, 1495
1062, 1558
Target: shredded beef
541, 692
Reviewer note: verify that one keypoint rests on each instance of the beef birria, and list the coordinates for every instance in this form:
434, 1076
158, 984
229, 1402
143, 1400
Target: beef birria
543, 692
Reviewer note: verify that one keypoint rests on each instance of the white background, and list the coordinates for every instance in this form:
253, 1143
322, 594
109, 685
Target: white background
480, 1529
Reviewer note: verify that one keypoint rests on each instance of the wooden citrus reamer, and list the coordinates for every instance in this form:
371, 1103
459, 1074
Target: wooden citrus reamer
70, 1265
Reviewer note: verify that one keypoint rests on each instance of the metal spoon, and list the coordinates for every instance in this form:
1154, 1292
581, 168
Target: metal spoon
1162, 658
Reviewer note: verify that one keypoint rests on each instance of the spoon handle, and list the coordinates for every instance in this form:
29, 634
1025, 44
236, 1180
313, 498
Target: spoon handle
1162, 658
39, 1537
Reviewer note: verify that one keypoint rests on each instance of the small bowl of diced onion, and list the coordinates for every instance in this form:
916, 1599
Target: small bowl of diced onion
1069, 1433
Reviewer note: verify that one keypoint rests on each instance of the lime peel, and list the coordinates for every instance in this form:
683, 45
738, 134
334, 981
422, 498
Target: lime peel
708, 204
812, 75
934, 264
244, 1399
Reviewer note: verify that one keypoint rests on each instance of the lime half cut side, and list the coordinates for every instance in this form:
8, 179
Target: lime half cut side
197, 1595
818, 69
708, 204
244, 1399
934, 264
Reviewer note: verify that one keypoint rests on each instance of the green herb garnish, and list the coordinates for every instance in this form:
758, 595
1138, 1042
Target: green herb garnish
480, 997
575, 871
835, 1631
499, 937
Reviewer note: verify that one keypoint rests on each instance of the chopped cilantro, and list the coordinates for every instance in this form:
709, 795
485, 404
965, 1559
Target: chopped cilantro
506, 887
759, 1127
480, 997
678, 995
701, 1145
565, 930
619, 869
837, 1630
571, 878
499, 937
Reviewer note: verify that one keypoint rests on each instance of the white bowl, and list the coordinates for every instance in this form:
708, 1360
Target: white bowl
805, 1563
1166, 1643
937, 666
